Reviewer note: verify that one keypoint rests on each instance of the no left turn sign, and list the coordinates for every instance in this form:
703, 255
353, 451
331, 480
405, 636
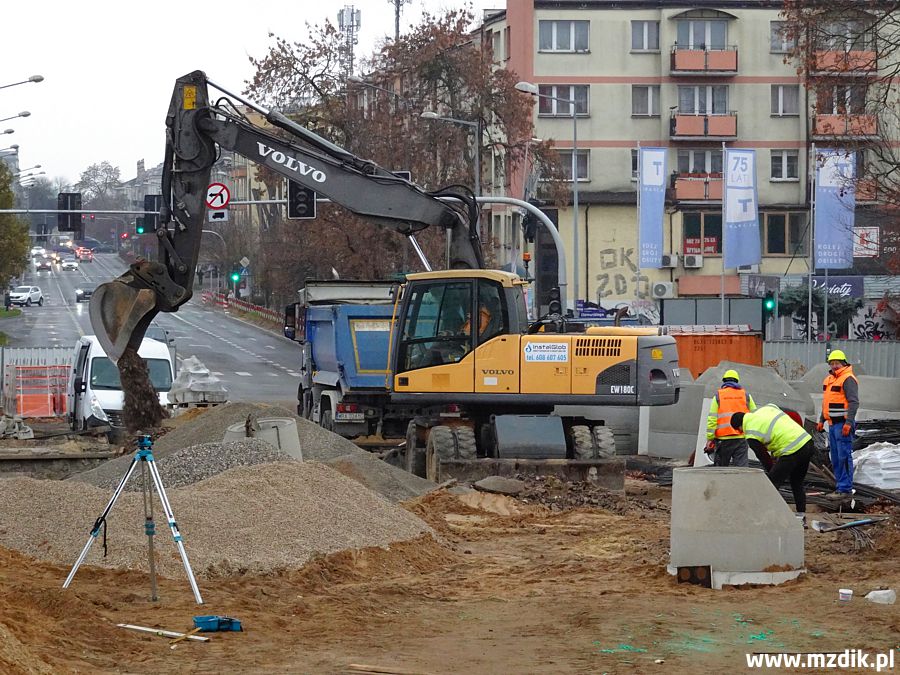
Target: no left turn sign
217, 196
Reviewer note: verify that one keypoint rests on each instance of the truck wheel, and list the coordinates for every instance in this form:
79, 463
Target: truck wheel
327, 422
604, 441
441, 445
415, 456
583, 442
465, 442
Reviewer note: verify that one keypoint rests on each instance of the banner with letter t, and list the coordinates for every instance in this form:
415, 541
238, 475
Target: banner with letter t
835, 209
740, 237
651, 205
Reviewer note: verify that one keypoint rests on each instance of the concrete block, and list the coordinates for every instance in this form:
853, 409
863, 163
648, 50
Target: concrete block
672, 429
735, 521
764, 384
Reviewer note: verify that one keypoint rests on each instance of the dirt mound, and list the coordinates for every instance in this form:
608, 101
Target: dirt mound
245, 520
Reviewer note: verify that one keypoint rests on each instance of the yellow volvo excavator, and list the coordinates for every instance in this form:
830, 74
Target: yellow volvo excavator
476, 380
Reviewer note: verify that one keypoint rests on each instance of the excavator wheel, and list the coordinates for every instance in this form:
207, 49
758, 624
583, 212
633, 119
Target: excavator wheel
465, 442
415, 455
604, 441
440, 445
582, 442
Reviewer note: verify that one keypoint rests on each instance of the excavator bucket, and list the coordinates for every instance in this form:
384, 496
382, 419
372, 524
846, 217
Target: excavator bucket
120, 311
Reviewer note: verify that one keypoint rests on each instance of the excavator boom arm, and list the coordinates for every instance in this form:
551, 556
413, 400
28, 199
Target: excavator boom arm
121, 310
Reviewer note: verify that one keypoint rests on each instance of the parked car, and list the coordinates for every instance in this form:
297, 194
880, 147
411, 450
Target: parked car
26, 295
84, 293
44, 264
69, 264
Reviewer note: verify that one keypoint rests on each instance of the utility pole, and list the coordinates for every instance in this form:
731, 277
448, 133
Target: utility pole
398, 8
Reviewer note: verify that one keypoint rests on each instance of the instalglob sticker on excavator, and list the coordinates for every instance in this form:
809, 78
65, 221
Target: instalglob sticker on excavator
547, 351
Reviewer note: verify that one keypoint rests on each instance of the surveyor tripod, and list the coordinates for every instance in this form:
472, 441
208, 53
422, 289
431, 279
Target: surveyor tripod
144, 457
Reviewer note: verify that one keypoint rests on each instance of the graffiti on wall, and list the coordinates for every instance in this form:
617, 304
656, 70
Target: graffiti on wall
620, 276
868, 324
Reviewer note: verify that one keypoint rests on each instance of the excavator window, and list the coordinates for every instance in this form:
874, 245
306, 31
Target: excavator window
434, 326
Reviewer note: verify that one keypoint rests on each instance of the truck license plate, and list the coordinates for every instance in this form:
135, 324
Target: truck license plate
349, 417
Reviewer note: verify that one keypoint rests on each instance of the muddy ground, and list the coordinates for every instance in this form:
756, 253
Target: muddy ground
583, 590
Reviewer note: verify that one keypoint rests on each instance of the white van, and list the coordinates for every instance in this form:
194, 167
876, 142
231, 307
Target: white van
95, 396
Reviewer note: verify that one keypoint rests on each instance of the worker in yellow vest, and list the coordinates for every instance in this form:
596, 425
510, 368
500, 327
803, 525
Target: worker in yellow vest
728, 443
840, 401
788, 443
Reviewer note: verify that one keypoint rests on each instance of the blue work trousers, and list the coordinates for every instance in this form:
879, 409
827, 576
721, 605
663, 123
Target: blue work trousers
841, 455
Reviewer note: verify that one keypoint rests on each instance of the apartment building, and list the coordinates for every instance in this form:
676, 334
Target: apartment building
690, 77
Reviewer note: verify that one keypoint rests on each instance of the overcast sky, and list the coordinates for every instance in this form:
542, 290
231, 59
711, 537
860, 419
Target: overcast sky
109, 67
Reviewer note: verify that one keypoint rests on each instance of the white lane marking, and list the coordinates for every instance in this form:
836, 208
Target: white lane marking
217, 373
270, 347
198, 345
242, 373
293, 374
252, 338
274, 375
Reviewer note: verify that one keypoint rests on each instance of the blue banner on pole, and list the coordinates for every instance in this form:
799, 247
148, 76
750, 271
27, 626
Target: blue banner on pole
651, 207
835, 209
741, 227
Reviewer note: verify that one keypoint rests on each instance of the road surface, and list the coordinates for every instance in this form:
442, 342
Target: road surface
255, 364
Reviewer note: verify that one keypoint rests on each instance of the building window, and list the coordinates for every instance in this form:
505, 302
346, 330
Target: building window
699, 161
551, 107
845, 36
645, 101
634, 164
563, 36
702, 34
582, 161
785, 99
702, 232
785, 165
841, 99
779, 43
785, 233
645, 36
703, 100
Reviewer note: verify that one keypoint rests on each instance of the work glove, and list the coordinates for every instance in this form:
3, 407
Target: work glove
846, 429
710, 447
820, 426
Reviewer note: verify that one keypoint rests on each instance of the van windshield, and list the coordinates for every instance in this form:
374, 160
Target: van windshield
105, 375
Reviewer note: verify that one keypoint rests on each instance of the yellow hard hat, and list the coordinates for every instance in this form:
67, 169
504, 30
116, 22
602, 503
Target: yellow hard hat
837, 355
731, 375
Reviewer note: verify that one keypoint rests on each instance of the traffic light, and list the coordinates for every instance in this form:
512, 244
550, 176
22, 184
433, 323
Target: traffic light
769, 303
235, 276
149, 222
68, 222
301, 202
554, 303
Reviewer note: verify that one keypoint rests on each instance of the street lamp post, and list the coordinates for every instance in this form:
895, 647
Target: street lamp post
21, 171
24, 113
33, 78
476, 130
532, 89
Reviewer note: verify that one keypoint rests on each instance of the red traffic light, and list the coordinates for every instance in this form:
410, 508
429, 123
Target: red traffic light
124, 235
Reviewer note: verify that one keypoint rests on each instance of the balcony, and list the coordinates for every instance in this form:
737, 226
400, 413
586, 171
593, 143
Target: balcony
844, 126
697, 187
703, 127
845, 63
867, 190
704, 61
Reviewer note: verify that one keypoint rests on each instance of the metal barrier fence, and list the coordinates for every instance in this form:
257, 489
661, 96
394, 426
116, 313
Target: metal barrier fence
34, 380
222, 300
792, 358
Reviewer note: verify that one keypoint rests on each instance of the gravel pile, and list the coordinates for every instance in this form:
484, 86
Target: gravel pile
248, 519
198, 462
317, 444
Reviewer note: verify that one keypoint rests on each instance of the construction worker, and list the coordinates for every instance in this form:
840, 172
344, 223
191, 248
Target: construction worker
840, 401
771, 429
728, 443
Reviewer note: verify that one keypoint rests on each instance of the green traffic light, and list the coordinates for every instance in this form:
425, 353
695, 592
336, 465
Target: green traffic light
140, 229
770, 303
235, 277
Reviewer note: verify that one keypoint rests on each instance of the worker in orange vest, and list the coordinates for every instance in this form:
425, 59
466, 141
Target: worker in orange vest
840, 401
727, 442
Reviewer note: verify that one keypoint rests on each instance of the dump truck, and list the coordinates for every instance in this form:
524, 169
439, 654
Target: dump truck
479, 378
344, 330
